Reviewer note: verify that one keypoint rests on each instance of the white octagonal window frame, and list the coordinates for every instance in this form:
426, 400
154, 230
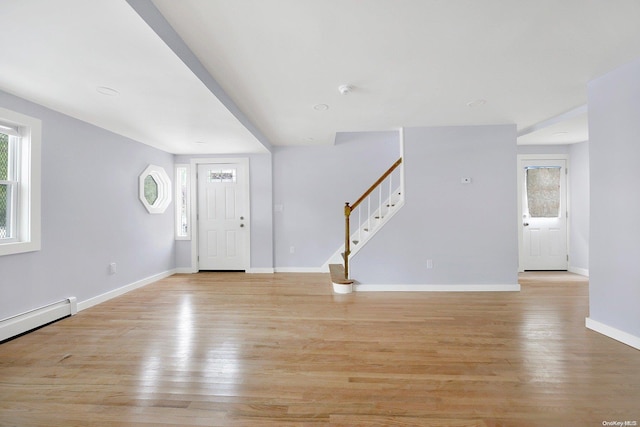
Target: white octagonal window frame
158, 174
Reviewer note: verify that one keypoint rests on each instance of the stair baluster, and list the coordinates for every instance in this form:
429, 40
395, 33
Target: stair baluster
348, 210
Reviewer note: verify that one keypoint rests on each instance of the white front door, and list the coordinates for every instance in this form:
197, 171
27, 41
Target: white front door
223, 222
544, 214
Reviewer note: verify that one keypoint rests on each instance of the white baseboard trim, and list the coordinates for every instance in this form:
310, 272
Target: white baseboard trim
260, 271
578, 270
362, 287
611, 332
189, 270
83, 305
301, 270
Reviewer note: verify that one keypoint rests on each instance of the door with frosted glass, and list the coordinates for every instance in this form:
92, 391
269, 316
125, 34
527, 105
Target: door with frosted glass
544, 214
222, 216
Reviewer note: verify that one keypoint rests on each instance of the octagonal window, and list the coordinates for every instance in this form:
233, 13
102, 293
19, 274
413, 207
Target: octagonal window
155, 189
150, 189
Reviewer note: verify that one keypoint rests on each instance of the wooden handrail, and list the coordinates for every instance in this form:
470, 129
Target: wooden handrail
375, 184
349, 208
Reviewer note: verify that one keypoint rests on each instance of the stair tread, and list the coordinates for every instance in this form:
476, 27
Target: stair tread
337, 274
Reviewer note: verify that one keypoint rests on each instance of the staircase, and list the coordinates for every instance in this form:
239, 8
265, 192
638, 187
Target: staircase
367, 215
341, 285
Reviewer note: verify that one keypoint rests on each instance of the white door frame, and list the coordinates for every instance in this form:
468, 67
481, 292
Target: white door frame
528, 157
194, 206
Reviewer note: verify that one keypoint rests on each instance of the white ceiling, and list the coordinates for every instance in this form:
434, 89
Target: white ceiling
245, 74
57, 53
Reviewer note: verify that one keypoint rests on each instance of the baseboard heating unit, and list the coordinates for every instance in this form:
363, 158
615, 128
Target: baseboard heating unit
21, 323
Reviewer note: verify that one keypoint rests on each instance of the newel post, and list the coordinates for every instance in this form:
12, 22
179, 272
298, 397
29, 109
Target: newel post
347, 238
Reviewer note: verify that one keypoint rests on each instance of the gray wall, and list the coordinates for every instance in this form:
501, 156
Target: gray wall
261, 189
543, 149
614, 132
580, 202
91, 216
313, 183
468, 230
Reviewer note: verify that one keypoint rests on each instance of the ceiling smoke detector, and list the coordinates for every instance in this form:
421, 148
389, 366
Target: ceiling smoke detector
107, 91
345, 89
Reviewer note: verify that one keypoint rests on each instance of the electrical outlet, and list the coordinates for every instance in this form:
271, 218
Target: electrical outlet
113, 268
292, 250
429, 263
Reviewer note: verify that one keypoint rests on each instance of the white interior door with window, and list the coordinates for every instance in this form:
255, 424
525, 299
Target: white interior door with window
223, 217
543, 188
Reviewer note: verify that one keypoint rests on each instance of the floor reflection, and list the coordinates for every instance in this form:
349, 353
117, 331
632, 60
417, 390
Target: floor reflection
206, 356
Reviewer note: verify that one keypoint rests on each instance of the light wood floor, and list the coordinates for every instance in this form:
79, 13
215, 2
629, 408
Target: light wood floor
229, 349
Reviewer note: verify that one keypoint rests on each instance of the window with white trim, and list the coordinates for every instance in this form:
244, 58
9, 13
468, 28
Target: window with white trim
8, 184
155, 189
183, 228
19, 183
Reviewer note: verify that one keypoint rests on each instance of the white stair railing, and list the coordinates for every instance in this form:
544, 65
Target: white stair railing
384, 198
385, 201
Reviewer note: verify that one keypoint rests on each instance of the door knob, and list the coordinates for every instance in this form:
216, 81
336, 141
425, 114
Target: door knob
241, 225
525, 224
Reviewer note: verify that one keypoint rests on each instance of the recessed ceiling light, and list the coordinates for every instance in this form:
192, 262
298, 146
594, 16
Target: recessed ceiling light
107, 91
200, 142
563, 133
476, 103
321, 107
345, 89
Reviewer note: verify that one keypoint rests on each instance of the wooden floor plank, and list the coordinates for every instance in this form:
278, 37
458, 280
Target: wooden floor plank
233, 349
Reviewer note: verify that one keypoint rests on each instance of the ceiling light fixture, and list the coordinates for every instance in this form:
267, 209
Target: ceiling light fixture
321, 107
563, 133
345, 89
107, 91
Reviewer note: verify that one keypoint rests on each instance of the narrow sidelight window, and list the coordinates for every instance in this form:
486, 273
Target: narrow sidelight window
183, 231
